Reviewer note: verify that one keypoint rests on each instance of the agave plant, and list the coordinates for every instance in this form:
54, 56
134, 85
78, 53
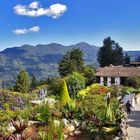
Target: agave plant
18, 133
13, 137
19, 126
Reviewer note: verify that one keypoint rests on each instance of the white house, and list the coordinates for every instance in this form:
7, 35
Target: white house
116, 75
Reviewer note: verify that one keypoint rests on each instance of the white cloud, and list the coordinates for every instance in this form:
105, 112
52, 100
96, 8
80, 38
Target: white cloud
34, 29
34, 5
25, 31
35, 10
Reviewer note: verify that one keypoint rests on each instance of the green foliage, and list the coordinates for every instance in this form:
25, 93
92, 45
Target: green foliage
92, 89
42, 113
126, 59
72, 61
94, 104
55, 132
22, 82
51, 132
109, 113
34, 83
133, 81
115, 91
89, 74
110, 53
55, 85
126, 90
72, 105
16, 100
75, 81
64, 95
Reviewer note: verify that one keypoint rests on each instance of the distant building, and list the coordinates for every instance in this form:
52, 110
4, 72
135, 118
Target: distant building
134, 64
116, 75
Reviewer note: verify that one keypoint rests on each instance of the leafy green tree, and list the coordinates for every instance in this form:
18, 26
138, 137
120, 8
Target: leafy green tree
34, 83
76, 82
110, 53
127, 59
89, 74
72, 61
22, 82
133, 81
54, 85
64, 95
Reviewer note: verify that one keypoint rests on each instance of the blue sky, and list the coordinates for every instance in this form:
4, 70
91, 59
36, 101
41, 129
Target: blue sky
69, 22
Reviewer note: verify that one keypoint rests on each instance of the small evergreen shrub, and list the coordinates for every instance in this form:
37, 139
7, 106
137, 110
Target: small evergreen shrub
64, 95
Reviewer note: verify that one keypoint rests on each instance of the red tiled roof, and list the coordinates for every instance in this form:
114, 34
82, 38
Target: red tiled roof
115, 71
135, 63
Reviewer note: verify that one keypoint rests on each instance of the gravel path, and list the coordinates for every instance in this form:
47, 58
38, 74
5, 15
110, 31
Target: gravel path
134, 123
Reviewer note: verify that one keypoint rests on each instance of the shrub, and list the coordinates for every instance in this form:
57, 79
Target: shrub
42, 113
133, 81
89, 74
76, 82
22, 82
93, 89
54, 86
64, 95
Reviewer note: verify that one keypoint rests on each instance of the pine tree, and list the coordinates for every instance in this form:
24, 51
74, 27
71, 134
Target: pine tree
110, 53
72, 61
64, 95
34, 83
127, 59
22, 82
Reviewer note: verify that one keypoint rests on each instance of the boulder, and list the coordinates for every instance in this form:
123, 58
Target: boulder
83, 125
77, 132
65, 122
70, 128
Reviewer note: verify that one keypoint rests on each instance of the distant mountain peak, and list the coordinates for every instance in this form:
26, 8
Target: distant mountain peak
82, 43
41, 60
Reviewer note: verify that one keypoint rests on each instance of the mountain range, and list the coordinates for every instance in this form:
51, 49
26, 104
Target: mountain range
41, 60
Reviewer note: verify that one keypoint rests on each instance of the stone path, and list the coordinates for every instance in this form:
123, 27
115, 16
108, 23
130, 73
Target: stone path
134, 123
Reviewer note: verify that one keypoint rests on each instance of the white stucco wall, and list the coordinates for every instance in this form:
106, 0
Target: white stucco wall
102, 80
117, 80
108, 81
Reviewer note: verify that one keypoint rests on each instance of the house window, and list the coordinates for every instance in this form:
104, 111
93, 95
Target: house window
112, 80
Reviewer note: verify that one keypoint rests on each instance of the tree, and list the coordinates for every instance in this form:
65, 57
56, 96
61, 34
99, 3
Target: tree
72, 61
64, 95
89, 74
133, 81
34, 83
22, 82
127, 59
55, 85
110, 53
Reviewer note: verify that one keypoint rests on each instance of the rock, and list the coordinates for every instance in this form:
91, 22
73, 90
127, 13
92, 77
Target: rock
50, 101
116, 138
70, 128
65, 136
71, 134
83, 125
65, 122
75, 123
77, 132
